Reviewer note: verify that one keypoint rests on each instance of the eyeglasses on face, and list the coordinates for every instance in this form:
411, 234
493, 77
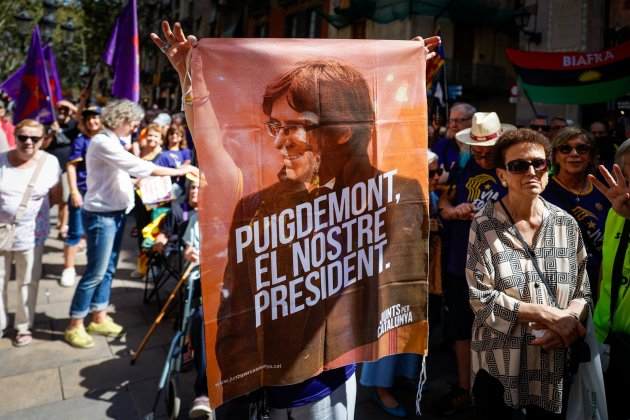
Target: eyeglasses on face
581, 149
458, 120
521, 166
434, 172
274, 128
539, 127
23, 138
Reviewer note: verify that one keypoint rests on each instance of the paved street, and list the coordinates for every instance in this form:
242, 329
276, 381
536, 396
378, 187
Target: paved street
51, 380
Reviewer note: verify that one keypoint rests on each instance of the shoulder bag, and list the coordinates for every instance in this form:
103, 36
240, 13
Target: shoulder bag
7, 230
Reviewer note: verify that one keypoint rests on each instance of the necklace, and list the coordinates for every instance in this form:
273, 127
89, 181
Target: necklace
578, 193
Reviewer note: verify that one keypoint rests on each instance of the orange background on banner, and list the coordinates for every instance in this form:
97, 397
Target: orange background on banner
235, 73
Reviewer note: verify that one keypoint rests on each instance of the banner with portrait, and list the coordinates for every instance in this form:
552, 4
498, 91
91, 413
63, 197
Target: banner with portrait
314, 217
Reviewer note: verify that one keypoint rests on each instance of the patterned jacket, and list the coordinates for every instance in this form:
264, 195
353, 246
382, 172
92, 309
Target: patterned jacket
500, 276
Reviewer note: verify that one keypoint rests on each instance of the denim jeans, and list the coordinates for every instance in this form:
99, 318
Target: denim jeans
104, 235
75, 225
337, 406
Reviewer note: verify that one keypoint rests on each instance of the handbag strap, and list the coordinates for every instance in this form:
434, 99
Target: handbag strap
530, 253
30, 187
617, 271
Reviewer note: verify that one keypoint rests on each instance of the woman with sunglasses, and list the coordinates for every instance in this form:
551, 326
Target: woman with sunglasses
25, 165
574, 155
528, 286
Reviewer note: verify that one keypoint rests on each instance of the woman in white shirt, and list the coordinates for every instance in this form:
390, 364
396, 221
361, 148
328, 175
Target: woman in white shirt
19, 167
109, 197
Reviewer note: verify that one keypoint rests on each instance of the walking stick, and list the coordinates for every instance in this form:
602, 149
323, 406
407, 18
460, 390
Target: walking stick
158, 319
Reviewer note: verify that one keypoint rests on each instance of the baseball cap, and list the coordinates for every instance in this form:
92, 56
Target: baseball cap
91, 110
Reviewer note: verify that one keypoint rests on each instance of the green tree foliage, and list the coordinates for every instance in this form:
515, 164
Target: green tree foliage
93, 21
14, 44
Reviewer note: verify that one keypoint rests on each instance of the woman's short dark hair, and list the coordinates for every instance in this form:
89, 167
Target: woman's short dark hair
518, 136
567, 134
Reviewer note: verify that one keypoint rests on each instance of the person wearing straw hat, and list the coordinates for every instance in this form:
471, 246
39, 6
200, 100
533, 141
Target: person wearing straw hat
471, 187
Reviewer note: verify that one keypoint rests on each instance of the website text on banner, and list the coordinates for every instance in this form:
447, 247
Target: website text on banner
314, 218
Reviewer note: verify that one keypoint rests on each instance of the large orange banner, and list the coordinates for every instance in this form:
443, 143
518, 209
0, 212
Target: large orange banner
314, 217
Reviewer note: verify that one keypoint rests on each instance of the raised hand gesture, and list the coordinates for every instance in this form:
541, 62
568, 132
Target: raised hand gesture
175, 45
617, 190
429, 44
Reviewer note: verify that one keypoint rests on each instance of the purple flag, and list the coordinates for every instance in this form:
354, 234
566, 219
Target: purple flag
33, 99
53, 75
123, 54
13, 83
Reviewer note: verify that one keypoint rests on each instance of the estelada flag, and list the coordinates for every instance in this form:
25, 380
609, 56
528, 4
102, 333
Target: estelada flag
314, 219
573, 77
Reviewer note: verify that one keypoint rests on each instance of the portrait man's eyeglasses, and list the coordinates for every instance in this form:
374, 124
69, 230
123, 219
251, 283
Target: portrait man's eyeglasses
274, 128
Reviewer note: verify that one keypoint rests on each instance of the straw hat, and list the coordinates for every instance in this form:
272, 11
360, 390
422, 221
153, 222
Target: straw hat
485, 130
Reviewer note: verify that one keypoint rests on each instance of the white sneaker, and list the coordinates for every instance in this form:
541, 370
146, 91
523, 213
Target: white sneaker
200, 408
68, 276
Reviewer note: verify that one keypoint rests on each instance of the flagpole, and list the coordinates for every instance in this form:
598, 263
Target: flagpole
531, 103
53, 110
89, 86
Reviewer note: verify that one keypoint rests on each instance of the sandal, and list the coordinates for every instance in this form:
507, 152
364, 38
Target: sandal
23, 339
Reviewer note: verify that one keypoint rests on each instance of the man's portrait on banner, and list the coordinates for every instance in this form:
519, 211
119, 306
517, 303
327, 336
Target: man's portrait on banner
324, 238
325, 218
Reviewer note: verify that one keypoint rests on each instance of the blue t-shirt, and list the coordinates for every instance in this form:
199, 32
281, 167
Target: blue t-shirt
77, 156
311, 390
166, 160
589, 210
447, 151
179, 156
476, 185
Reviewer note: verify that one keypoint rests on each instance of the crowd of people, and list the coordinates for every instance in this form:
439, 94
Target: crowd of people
539, 203
546, 209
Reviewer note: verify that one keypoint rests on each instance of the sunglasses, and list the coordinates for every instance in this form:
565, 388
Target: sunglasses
521, 166
581, 149
537, 127
434, 172
23, 138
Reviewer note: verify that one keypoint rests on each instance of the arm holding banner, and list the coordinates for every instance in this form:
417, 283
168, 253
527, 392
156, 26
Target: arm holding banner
200, 114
